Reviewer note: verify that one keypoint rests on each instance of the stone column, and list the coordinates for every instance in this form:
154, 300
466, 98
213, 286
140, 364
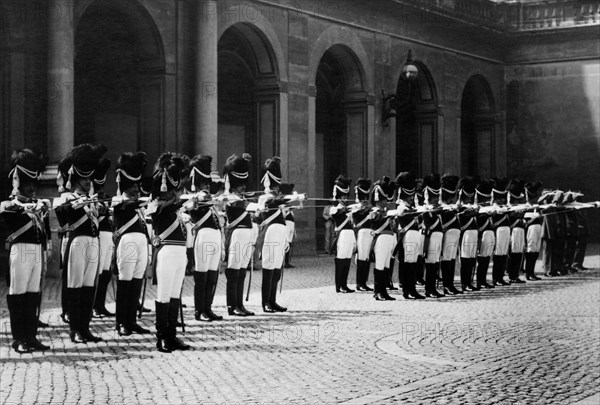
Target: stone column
207, 122
61, 78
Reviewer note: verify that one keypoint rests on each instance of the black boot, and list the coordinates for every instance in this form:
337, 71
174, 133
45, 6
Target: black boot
267, 282
64, 298
100, 310
448, 278
31, 323
338, 274
390, 275
514, 266
162, 327
421, 271
530, 259
132, 305
498, 269
16, 309
75, 315
212, 278
189, 267
381, 279
466, 274
344, 277
431, 270
123, 291
362, 275
200, 281
87, 304
288, 258
240, 293
413, 269
483, 262
272, 297
231, 291
172, 340
38, 310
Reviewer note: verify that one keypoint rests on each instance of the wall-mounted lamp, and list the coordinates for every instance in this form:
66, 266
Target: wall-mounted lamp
390, 101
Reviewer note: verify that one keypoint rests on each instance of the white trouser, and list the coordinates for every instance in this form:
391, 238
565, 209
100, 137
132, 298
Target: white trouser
240, 248
468, 246
170, 272
345, 244
364, 239
422, 252
84, 253
502, 241
207, 249
534, 238
384, 248
450, 246
434, 248
488, 243
25, 268
290, 227
411, 243
274, 246
517, 240
106, 249
132, 256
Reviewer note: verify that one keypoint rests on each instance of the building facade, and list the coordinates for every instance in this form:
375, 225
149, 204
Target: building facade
503, 88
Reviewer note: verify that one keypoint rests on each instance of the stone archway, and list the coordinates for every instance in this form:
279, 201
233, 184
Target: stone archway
119, 79
417, 123
478, 135
249, 97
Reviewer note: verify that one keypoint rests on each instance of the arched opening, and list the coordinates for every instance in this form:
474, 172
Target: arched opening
119, 79
340, 121
248, 83
477, 128
417, 123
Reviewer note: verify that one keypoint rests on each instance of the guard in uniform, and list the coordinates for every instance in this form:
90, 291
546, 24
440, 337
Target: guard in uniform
553, 232
131, 241
82, 250
169, 241
583, 232
206, 232
105, 238
409, 235
516, 197
345, 240
272, 224
63, 237
533, 221
467, 218
361, 219
29, 236
383, 231
487, 234
434, 234
571, 230
290, 225
451, 227
239, 234
501, 223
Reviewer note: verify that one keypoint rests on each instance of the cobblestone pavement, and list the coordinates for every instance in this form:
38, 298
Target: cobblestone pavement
537, 342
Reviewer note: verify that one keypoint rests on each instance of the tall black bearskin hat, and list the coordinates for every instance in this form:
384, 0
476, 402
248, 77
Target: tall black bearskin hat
516, 187
99, 176
483, 192
79, 163
129, 169
341, 187
27, 166
432, 181
200, 171
466, 187
286, 188
235, 171
146, 186
406, 180
449, 187
362, 190
271, 172
383, 190
169, 171
499, 191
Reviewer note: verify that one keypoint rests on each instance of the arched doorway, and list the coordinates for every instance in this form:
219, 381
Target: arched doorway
417, 123
477, 128
340, 122
248, 83
119, 79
